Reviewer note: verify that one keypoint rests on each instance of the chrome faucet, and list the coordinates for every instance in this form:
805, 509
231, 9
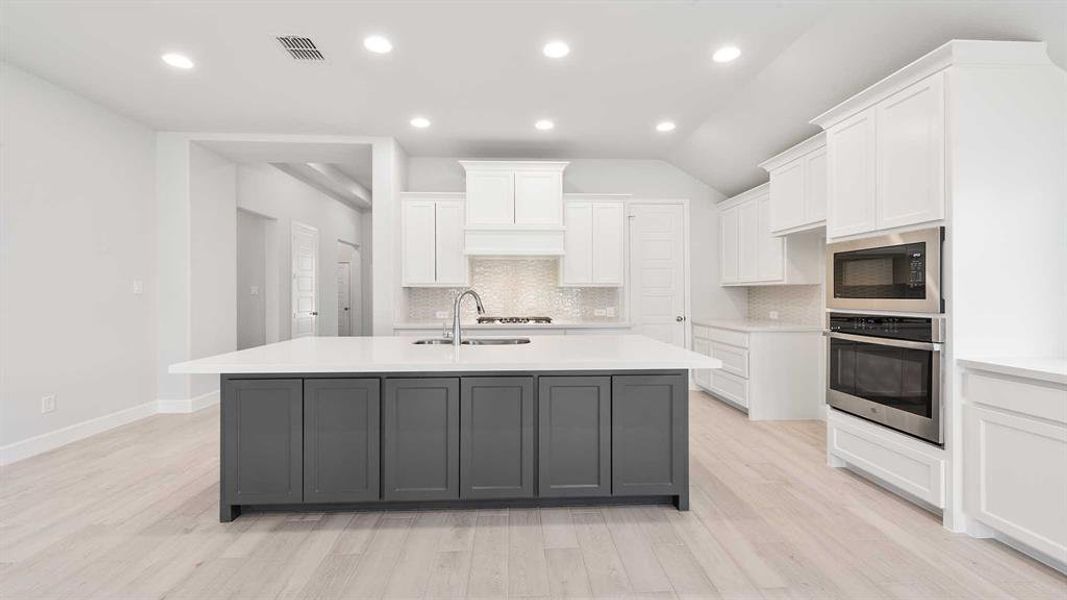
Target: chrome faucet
456, 333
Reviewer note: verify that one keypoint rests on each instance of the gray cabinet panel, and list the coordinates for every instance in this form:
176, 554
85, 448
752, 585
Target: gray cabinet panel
574, 436
341, 440
420, 439
496, 437
648, 435
262, 441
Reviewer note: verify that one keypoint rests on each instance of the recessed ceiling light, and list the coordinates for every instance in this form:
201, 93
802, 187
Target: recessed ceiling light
556, 49
726, 54
665, 126
420, 122
544, 125
378, 44
178, 61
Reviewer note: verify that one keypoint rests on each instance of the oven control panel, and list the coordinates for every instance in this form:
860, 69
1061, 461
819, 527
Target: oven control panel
919, 329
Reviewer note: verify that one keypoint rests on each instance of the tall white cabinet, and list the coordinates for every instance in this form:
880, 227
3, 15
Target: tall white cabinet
431, 232
752, 255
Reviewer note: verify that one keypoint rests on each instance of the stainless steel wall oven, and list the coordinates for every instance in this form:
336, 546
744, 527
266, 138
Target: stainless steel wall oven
887, 369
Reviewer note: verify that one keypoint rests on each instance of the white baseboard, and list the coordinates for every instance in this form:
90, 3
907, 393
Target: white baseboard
79, 431
188, 405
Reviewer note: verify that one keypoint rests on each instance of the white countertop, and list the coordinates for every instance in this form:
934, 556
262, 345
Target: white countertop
1051, 369
437, 325
399, 354
754, 325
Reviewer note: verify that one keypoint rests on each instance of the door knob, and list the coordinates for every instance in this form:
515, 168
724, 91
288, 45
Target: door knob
314, 314
679, 318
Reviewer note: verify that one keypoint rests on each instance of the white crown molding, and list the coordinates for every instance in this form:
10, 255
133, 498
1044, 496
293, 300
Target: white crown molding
955, 52
809, 145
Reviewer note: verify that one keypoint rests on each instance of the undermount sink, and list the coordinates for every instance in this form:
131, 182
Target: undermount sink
476, 341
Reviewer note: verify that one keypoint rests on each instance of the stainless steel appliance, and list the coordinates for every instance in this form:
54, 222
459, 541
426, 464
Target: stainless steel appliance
515, 320
887, 369
895, 272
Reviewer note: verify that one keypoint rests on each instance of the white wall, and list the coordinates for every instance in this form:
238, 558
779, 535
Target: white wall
77, 227
251, 275
267, 191
212, 256
645, 179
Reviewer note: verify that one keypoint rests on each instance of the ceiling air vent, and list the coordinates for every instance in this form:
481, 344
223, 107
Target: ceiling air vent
301, 48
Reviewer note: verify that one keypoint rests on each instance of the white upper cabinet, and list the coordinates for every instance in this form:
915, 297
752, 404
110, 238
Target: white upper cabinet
770, 253
798, 187
753, 255
850, 156
514, 208
911, 155
418, 255
886, 162
594, 241
431, 232
748, 241
816, 195
450, 261
490, 197
538, 197
728, 230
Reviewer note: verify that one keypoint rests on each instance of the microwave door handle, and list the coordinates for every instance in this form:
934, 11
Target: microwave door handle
930, 346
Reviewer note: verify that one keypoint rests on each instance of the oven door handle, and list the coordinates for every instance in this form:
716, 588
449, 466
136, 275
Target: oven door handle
930, 346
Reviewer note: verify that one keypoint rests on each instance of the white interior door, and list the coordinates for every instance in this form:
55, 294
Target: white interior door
344, 293
305, 253
657, 271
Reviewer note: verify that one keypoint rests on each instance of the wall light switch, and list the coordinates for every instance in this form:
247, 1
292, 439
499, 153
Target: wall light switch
773, 315
441, 314
254, 290
48, 403
137, 287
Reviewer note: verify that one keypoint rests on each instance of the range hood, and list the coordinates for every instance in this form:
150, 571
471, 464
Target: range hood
514, 208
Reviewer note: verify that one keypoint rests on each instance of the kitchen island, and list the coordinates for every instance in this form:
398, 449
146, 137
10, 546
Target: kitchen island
322, 423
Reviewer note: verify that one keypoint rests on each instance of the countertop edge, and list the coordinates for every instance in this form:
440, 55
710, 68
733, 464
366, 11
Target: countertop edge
758, 326
1018, 368
531, 326
267, 369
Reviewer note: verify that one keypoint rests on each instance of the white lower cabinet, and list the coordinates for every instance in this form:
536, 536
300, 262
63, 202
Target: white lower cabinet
770, 374
902, 462
1015, 459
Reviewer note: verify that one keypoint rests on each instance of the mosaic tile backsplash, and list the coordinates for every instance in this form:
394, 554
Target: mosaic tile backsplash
801, 304
517, 287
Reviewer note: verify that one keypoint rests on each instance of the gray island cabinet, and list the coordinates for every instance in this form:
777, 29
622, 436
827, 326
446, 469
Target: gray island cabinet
331, 433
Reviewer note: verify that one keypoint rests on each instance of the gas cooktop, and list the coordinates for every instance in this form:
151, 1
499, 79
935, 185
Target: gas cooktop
514, 320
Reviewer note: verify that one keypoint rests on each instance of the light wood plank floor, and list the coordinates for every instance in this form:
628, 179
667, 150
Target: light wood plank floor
133, 514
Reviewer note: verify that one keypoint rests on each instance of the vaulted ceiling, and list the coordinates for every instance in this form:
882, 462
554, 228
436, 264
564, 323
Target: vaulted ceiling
476, 70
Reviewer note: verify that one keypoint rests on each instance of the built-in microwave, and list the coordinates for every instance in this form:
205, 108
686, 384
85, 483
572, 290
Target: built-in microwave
894, 272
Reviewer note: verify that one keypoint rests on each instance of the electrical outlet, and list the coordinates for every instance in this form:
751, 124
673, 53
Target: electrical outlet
773, 315
599, 312
137, 287
441, 314
48, 403
609, 311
